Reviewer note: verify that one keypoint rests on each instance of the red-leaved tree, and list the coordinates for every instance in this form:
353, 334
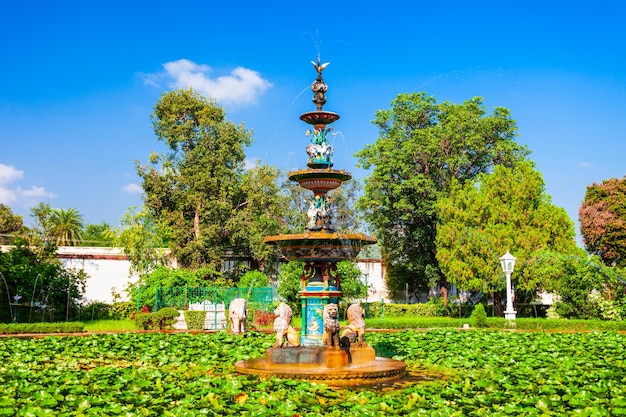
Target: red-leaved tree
602, 219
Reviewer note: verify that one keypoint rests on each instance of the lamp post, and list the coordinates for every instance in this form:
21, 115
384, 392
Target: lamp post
508, 263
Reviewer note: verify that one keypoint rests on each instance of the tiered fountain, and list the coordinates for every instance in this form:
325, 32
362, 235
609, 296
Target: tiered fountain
321, 247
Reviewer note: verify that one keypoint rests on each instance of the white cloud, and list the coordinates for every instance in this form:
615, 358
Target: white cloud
14, 194
9, 174
7, 196
37, 192
132, 188
241, 87
585, 165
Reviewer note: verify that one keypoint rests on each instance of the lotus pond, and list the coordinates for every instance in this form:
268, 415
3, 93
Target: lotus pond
483, 373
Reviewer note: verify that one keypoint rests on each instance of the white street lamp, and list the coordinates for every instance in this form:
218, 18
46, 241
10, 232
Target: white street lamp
508, 263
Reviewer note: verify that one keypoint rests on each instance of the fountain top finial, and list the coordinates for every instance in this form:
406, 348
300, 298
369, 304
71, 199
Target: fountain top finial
319, 67
319, 87
319, 118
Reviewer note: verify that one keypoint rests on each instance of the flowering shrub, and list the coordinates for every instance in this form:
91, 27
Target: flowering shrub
263, 318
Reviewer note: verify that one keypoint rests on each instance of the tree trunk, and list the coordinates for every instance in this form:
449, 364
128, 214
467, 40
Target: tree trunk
196, 222
497, 304
443, 292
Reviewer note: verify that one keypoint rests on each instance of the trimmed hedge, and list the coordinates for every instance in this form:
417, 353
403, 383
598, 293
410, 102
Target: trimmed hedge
195, 319
40, 328
413, 322
563, 324
494, 323
401, 310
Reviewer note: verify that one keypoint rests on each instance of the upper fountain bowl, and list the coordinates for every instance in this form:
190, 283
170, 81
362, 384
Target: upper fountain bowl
319, 117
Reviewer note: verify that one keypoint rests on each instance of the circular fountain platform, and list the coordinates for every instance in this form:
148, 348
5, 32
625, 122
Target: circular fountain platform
336, 367
317, 246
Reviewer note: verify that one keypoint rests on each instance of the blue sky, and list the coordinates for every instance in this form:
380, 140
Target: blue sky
78, 81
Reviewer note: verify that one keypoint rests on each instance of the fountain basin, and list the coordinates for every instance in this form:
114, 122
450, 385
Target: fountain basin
357, 365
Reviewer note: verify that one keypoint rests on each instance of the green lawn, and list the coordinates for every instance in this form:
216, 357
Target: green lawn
109, 325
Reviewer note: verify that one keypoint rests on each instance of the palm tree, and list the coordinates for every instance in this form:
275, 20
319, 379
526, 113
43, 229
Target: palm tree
66, 226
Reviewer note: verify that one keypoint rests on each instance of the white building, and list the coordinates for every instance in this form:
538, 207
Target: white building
109, 272
373, 275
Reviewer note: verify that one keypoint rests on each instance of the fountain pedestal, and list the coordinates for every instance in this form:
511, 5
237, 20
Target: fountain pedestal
329, 358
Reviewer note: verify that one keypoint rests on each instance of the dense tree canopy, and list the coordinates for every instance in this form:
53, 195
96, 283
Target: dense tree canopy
421, 148
586, 288
258, 213
100, 234
346, 217
144, 240
41, 232
506, 210
199, 191
10, 224
603, 221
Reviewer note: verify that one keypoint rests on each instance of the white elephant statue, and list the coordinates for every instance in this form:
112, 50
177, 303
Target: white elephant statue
237, 313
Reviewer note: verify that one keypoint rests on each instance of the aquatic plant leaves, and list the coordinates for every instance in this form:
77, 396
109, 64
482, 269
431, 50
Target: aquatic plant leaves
486, 373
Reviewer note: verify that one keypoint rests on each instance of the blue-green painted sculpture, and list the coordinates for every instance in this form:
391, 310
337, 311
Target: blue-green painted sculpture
320, 150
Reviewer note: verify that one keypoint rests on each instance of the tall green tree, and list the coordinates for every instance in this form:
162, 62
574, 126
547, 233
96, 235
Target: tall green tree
198, 190
602, 217
506, 210
10, 224
258, 212
421, 148
101, 234
41, 233
58, 227
144, 240
346, 216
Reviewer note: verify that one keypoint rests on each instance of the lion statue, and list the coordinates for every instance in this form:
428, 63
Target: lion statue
283, 329
237, 313
356, 327
331, 326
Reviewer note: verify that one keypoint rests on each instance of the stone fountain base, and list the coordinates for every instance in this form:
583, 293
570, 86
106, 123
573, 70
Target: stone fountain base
357, 365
